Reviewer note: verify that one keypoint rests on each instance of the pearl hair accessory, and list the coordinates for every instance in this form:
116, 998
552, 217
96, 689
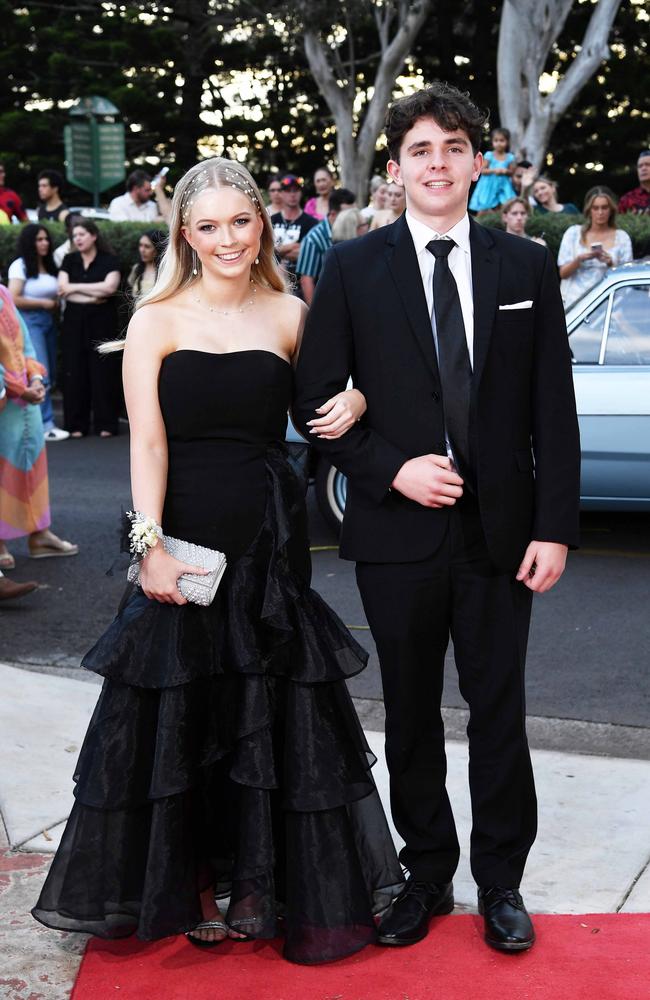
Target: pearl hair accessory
202, 180
198, 183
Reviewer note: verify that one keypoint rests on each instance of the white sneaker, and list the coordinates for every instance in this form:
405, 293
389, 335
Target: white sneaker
56, 434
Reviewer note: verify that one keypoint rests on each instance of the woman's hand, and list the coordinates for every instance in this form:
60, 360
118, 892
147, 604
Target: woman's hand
35, 393
159, 575
528, 177
49, 304
339, 414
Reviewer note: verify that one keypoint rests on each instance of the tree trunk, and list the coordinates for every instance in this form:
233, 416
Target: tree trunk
356, 150
528, 30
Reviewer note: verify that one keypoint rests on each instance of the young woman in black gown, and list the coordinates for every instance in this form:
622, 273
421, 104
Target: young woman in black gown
224, 757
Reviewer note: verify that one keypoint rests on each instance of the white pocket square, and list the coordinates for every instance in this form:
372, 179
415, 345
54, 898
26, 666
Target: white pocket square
526, 304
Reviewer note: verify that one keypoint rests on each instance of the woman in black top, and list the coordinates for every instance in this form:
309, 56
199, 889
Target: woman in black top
88, 281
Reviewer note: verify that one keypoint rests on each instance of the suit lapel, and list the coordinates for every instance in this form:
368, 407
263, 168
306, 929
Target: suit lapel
485, 278
403, 265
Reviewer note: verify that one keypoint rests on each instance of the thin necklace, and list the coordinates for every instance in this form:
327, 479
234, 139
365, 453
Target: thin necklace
229, 312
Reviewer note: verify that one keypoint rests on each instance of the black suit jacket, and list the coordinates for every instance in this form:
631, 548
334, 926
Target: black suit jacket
369, 319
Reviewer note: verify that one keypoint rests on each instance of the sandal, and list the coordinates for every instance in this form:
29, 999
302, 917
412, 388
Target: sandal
51, 547
233, 925
7, 561
207, 925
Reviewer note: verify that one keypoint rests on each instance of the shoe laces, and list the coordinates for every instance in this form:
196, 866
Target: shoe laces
413, 887
502, 894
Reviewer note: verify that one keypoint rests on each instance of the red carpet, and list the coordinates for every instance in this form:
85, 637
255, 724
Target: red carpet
594, 957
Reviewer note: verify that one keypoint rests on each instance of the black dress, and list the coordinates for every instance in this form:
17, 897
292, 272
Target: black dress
224, 749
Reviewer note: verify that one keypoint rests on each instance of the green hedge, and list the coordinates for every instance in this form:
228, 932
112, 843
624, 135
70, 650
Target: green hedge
552, 226
122, 238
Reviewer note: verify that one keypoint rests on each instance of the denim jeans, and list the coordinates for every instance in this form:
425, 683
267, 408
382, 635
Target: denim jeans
42, 330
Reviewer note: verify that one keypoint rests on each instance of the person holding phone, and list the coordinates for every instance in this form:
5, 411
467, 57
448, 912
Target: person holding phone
588, 251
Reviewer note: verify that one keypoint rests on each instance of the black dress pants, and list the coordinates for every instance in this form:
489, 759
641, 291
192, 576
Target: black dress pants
91, 381
412, 609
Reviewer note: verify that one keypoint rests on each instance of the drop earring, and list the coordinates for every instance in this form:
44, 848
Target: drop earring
257, 260
195, 262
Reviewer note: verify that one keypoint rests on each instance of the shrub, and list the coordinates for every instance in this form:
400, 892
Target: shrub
553, 225
122, 238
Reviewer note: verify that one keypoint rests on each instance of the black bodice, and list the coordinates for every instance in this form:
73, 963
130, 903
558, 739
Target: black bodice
221, 413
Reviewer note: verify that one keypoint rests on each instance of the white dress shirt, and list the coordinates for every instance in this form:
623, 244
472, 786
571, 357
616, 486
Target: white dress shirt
125, 209
460, 265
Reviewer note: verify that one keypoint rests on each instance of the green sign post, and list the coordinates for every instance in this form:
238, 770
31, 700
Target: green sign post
94, 146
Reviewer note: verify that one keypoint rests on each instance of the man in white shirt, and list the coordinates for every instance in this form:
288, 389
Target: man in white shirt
135, 205
463, 494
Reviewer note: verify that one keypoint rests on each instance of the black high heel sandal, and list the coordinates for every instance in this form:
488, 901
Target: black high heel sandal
208, 925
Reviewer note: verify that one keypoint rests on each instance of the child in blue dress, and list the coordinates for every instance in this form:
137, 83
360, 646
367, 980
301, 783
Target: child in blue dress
494, 185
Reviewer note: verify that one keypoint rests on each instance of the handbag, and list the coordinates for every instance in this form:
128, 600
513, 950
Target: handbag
194, 588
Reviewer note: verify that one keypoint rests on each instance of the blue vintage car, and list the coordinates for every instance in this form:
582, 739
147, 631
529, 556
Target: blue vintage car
609, 336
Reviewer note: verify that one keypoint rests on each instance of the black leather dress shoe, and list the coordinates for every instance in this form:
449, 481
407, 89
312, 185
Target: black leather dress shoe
407, 919
507, 924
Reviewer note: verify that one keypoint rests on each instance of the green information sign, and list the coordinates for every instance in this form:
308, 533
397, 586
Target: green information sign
94, 151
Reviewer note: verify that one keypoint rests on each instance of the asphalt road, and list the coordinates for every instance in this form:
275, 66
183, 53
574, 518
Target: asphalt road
590, 639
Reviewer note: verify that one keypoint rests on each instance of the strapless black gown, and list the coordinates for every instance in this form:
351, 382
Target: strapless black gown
224, 749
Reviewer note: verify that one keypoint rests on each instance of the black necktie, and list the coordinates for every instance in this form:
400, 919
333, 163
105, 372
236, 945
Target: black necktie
453, 356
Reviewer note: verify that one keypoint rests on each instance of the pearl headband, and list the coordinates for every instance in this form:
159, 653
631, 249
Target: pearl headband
202, 180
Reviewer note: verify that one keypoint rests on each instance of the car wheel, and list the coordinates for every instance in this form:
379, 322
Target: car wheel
331, 493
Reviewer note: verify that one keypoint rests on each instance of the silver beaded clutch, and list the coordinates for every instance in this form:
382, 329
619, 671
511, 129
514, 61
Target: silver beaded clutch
194, 588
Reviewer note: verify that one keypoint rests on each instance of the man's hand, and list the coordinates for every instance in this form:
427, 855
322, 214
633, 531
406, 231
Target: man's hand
542, 565
429, 480
288, 251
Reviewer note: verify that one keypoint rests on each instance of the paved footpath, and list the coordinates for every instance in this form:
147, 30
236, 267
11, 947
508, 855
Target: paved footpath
592, 854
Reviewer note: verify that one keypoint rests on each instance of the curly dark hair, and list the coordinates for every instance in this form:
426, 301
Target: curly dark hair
54, 177
26, 248
449, 107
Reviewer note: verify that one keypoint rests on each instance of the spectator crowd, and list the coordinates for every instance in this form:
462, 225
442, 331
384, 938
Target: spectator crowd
61, 301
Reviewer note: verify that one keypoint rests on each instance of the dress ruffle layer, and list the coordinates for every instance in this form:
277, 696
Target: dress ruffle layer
224, 751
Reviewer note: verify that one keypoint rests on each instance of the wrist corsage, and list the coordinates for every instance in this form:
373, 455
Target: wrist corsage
144, 533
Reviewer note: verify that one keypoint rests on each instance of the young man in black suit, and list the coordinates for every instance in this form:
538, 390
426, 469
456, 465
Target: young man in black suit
463, 492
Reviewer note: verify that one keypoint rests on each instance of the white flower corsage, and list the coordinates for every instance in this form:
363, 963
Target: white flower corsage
144, 533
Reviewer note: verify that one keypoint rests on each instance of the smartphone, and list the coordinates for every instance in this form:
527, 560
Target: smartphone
160, 176
597, 247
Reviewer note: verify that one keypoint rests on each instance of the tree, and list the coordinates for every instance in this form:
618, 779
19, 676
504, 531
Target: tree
201, 77
528, 32
325, 38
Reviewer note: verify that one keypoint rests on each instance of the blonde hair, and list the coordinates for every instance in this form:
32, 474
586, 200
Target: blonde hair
346, 225
600, 191
545, 179
510, 204
177, 263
